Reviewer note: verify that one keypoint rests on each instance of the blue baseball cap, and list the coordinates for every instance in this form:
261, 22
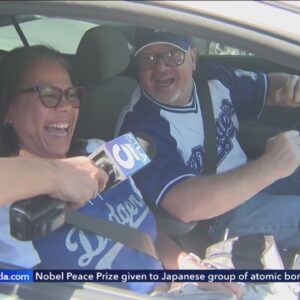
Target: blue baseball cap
146, 36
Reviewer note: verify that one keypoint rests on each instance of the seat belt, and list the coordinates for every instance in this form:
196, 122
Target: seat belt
123, 234
209, 128
197, 239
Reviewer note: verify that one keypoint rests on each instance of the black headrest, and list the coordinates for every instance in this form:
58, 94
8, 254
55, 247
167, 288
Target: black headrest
102, 54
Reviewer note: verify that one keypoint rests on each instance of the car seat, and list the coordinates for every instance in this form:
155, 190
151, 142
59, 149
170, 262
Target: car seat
101, 57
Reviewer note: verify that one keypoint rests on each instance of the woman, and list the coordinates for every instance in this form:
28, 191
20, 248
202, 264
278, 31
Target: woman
42, 110
74, 180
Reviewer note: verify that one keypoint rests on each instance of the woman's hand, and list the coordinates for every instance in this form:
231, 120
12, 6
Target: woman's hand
77, 180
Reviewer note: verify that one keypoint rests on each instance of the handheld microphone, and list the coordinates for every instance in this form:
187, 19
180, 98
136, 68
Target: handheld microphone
120, 158
123, 156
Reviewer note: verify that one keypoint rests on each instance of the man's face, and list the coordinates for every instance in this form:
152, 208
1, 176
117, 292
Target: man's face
166, 84
43, 131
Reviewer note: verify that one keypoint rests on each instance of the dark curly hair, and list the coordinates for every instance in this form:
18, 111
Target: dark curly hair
13, 68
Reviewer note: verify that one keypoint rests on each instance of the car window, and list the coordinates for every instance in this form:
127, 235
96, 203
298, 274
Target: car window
216, 48
9, 37
208, 47
44, 30
63, 34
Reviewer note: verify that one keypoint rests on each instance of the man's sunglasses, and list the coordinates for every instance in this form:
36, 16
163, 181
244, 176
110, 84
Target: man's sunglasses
148, 61
51, 96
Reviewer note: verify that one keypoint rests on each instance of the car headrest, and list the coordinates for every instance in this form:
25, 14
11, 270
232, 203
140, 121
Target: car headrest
102, 54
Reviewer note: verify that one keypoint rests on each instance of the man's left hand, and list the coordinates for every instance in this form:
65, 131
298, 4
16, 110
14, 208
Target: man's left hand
284, 90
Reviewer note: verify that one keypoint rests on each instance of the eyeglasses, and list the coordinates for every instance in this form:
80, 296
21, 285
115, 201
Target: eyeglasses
172, 58
51, 96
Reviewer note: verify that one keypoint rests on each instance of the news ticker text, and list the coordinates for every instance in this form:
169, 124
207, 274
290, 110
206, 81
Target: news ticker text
150, 276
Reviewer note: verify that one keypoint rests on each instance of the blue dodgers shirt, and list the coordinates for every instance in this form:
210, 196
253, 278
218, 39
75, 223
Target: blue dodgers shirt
73, 248
178, 130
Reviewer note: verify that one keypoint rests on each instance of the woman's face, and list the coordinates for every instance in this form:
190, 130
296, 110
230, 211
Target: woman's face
46, 132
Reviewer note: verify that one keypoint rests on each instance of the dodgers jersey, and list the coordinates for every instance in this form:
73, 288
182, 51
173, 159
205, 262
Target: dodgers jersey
73, 248
178, 131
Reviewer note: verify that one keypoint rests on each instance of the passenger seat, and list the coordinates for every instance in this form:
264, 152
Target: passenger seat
101, 57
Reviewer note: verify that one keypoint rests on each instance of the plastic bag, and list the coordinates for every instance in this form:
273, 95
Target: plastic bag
239, 253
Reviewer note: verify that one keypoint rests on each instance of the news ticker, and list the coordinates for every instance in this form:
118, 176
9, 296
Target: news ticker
150, 276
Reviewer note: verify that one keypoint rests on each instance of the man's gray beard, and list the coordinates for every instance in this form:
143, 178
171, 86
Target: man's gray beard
170, 100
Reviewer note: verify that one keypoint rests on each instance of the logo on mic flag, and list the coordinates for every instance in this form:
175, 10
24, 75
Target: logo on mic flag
122, 157
127, 153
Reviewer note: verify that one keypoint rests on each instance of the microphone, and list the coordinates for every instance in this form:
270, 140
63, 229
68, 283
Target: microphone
120, 158
123, 156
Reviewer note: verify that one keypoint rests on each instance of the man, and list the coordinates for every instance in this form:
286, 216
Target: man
166, 105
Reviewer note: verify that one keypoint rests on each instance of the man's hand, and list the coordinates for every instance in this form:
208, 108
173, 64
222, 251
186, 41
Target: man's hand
284, 90
282, 154
192, 262
77, 180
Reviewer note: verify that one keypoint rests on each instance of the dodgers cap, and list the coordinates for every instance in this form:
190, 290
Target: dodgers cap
147, 36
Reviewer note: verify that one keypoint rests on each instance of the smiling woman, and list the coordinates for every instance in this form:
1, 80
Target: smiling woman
23, 134
48, 133
40, 107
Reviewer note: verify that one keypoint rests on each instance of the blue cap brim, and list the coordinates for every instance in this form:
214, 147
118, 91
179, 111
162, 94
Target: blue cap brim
145, 37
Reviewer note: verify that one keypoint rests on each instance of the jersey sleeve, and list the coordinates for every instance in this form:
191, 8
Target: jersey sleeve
248, 90
166, 168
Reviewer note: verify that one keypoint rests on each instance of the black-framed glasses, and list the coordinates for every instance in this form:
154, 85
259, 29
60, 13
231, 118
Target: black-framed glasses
51, 96
173, 58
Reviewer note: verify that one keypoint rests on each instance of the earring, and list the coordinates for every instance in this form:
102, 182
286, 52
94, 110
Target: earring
6, 124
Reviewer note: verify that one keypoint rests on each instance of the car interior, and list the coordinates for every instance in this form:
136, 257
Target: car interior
104, 62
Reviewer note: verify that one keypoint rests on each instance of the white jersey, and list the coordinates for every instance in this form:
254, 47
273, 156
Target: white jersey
178, 131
